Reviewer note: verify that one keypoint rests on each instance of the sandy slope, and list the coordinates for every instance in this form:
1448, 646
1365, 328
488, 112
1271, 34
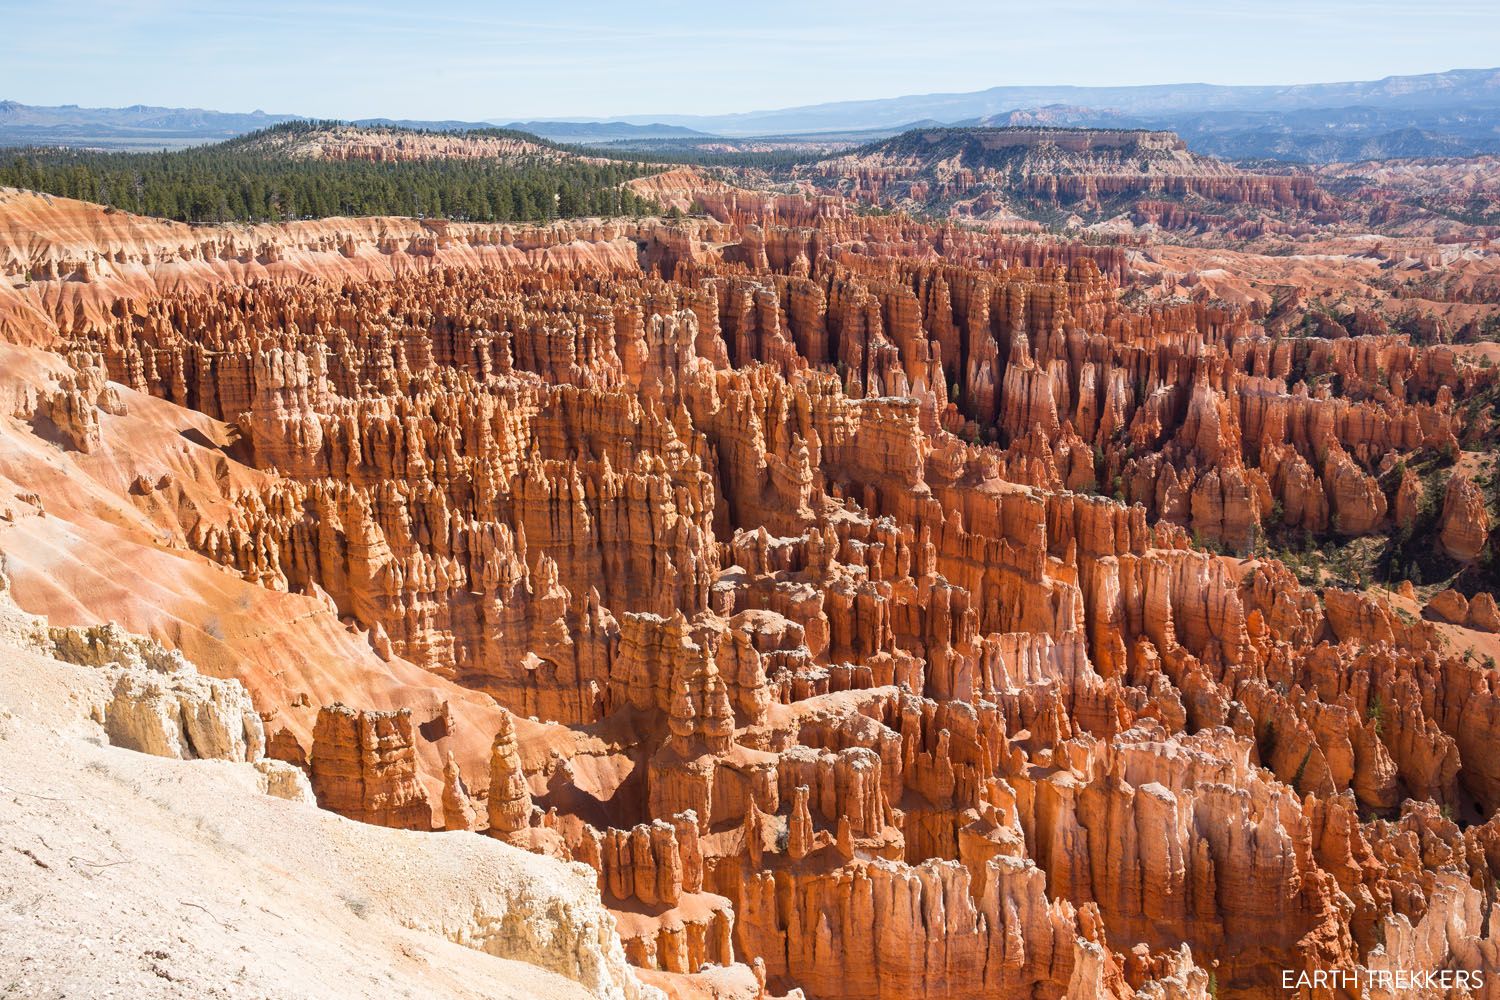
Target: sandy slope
126, 875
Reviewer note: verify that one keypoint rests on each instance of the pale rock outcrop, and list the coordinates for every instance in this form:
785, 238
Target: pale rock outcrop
160, 704
284, 781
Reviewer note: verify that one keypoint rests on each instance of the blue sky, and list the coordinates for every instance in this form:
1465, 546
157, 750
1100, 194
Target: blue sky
478, 61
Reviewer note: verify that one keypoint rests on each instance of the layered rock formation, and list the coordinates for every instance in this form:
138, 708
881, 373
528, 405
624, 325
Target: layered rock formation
827, 584
1000, 173
364, 766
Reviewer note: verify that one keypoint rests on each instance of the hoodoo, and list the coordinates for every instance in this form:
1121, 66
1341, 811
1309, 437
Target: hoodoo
813, 636
977, 558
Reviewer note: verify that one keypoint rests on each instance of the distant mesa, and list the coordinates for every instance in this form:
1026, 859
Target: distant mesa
1052, 175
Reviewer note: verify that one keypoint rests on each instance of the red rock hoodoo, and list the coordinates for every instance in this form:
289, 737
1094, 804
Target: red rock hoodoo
885, 607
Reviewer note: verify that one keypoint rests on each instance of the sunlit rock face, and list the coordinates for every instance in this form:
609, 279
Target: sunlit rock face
873, 606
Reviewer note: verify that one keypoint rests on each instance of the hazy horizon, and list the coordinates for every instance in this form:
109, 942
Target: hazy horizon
481, 63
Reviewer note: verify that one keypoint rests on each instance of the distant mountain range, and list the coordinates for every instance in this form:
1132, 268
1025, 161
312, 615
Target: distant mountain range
1454, 113
1435, 114
597, 132
139, 125
1455, 88
142, 126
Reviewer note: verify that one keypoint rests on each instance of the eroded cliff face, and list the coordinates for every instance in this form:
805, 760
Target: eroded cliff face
834, 574
1008, 174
